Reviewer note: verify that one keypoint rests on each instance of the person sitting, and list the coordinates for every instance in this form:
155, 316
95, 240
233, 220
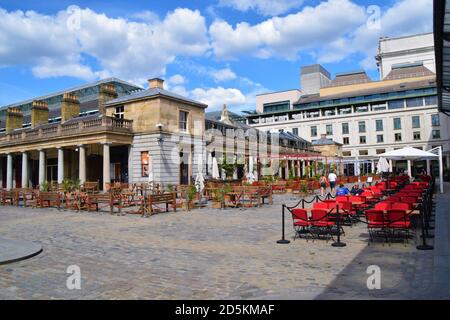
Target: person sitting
342, 191
356, 190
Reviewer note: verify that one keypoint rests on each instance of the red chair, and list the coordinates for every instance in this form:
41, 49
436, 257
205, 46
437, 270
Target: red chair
398, 221
383, 206
360, 202
320, 222
320, 205
376, 224
341, 198
409, 199
401, 206
300, 221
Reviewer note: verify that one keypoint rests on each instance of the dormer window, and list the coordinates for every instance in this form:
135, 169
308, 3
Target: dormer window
119, 112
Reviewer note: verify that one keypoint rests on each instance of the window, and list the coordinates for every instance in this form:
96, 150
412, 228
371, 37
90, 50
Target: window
398, 137
378, 107
431, 101
379, 125
362, 139
397, 123
380, 138
314, 131
346, 140
345, 128
144, 164
329, 129
362, 126
416, 135
347, 153
415, 122
295, 131
435, 120
436, 134
363, 152
380, 151
183, 121
414, 102
119, 112
396, 104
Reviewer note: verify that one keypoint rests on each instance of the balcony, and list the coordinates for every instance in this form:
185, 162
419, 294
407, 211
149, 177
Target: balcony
74, 127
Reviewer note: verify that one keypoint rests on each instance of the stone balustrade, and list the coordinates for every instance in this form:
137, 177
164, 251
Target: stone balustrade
83, 126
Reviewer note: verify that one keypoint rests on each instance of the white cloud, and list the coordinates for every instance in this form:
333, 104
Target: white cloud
223, 75
126, 49
215, 98
406, 17
263, 7
287, 36
177, 79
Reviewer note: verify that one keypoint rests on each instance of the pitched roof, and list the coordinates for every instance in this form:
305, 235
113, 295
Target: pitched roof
408, 71
349, 78
323, 141
150, 93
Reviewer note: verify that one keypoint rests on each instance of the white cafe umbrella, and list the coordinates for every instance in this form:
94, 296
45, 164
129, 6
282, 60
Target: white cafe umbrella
215, 169
410, 154
357, 170
150, 173
383, 165
199, 180
250, 175
209, 162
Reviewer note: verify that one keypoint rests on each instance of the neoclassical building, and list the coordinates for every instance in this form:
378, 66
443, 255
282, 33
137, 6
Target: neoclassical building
111, 131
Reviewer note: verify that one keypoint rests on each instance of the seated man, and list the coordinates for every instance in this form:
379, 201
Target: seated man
356, 190
342, 191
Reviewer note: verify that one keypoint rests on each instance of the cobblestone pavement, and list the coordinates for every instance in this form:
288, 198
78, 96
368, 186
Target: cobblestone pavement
202, 254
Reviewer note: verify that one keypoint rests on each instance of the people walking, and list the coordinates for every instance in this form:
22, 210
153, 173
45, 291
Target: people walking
323, 184
332, 177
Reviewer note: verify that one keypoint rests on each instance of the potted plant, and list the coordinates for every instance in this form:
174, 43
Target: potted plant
227, 167
191, 193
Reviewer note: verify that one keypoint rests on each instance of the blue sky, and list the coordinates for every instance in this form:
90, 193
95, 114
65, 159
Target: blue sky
217, 51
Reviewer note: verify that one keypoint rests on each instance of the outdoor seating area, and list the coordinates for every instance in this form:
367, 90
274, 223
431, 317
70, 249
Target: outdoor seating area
393, 210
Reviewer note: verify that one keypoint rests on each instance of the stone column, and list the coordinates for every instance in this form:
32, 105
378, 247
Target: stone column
106, 165
82, 163
9, 171
41, 168
390, 165
298, 169
372, 166
286, 169
1, 172
428, 167
60, 165
24, 170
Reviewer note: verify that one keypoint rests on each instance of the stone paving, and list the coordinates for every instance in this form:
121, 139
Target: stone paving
203, 254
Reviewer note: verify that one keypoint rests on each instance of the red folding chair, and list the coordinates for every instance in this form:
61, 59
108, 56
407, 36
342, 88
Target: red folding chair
376, 224
320, 222
383, 206
320, 205
300, 221
401, 206
399, 222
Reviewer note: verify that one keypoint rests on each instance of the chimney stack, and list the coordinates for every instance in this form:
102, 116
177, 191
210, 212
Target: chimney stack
14, 119
156, 83
107, 92
70, 107
39, 113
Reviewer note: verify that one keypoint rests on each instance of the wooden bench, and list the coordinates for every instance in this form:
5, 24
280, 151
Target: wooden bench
8, 197
90, 187
49, 199
163, 198
97, 201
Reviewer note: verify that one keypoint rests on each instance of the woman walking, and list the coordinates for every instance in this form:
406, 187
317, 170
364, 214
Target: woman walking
323, 184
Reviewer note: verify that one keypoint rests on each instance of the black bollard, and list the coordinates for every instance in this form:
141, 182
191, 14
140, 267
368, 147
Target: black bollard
283, 240
338, 243
424, 245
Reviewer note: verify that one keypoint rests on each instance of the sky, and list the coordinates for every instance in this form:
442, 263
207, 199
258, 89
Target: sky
214, 51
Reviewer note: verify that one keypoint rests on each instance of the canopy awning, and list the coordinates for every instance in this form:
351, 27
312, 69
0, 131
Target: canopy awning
409, 153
